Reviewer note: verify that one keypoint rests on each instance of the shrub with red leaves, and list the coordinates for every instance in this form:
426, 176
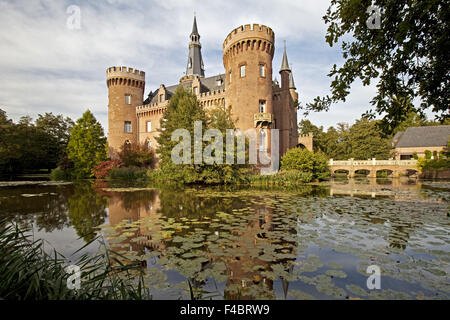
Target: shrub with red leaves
102, 169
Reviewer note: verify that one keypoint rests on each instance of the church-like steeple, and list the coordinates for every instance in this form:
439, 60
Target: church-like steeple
195, 60
285, 63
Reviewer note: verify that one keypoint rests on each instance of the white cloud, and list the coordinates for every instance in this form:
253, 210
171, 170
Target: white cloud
47, 67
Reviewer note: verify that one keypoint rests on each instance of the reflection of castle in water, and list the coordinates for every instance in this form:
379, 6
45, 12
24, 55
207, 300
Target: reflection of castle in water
244, 271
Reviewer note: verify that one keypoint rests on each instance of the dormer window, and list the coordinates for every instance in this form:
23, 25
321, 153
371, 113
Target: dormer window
219, 82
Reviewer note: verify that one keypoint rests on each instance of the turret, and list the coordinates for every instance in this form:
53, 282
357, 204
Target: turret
247, 58
195, 61
285, 71
125, 92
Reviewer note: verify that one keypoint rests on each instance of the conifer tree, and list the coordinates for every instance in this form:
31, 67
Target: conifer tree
86, 146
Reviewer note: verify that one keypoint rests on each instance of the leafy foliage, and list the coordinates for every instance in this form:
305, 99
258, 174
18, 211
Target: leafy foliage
303, 160
408, 55
183, 110
362, 140
103, 168
86, 146
137, 155
28, 146
439, 162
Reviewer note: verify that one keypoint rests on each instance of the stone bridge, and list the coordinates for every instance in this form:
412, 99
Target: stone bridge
394, 167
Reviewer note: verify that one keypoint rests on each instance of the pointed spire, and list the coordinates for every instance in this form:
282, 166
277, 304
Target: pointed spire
291, 81
195, 60
285, 63
194, 27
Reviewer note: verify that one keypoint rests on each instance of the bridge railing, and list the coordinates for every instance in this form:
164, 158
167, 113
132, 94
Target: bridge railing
373, 162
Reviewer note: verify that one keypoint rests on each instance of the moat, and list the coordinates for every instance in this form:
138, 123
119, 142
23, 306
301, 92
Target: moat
311, 241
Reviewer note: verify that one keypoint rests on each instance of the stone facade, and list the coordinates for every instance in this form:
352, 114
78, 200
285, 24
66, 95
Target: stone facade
126, 92
246, 90
306, 141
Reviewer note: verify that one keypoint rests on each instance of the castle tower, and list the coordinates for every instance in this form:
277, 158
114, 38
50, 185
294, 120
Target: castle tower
125, 93
195, 60
286, 113
247, 58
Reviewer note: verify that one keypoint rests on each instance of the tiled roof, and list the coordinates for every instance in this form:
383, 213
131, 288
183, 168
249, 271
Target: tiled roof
429, 136
208, 84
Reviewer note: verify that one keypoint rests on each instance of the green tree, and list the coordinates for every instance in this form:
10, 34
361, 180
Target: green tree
9, 147
408, 55
182, 110
306, 161
366, 141
57, 131
86, 147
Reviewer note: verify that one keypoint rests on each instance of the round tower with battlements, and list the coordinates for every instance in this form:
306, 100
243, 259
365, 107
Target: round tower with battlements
247, 57
125, 93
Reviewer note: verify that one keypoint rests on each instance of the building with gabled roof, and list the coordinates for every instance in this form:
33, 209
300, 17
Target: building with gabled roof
416, 140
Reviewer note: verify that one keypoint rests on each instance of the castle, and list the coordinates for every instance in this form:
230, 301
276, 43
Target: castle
246, 90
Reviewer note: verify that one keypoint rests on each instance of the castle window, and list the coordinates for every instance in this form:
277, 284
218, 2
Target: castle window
230, 77
262, 106
127, 99
262, 71
161, 98
149, 126
242, 71
127, 126
195, 90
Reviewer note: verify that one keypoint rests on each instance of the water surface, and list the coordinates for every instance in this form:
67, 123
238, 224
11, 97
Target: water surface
311, 241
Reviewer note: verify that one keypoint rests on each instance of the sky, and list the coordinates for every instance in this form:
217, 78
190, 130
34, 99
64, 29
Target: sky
49, 65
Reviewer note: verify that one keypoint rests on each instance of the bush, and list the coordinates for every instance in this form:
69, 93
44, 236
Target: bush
102, 170
307, 162
136, 155
127, 173
59, 174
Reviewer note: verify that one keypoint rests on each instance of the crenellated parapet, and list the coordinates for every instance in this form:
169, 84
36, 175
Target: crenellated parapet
125, 76
151, 109
249, 37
